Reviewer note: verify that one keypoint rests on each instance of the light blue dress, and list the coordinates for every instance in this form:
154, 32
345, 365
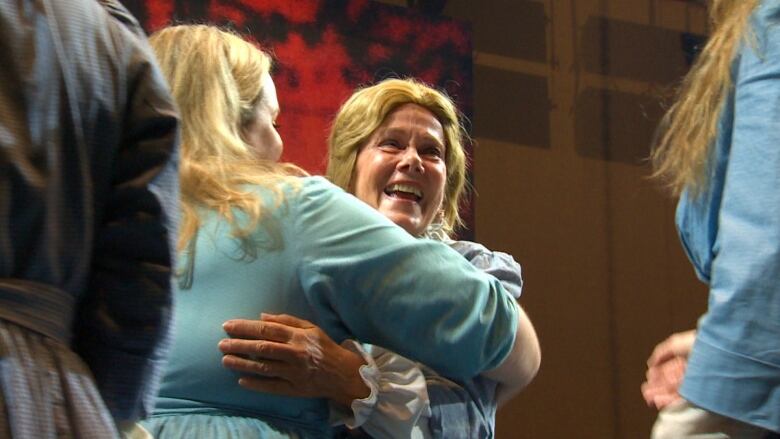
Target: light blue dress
732, 236
345, 267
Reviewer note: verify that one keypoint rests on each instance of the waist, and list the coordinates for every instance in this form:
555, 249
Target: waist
38, 307
310, 416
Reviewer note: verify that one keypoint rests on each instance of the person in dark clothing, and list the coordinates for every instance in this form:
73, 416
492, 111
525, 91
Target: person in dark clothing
88, 185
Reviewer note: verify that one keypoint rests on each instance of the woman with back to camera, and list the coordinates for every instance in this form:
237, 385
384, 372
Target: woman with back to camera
719, 149
398, 146
257, 237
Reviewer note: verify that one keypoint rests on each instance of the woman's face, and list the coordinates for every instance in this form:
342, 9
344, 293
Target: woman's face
260, 132
400, 171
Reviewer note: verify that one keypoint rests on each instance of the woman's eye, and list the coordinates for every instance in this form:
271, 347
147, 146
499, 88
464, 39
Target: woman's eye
433, 152
390, 143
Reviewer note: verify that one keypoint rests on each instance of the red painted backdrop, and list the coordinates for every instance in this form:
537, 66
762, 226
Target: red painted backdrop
324, 49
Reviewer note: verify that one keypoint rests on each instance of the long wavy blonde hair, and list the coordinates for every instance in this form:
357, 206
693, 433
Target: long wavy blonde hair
681, 155
364, 112
215, 79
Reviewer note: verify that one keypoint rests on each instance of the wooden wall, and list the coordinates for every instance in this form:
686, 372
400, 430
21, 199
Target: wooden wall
567, 94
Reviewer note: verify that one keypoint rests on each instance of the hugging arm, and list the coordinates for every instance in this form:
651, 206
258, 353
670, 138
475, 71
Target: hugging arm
395, 391
522, 364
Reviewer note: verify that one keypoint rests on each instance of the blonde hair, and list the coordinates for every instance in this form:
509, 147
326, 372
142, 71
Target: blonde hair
365, 111
215, 79
681, 155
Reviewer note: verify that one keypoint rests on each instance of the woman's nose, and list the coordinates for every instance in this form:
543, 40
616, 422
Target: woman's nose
411, 160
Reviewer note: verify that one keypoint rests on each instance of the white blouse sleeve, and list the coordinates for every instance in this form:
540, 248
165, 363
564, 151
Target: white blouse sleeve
398, 405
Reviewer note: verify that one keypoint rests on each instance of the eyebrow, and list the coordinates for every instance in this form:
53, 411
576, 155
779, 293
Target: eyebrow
397, 131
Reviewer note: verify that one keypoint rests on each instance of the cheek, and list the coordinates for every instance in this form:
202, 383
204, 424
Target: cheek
439, 180
360, 185
373, 173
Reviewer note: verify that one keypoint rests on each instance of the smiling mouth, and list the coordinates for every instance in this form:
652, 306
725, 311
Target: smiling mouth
404, 192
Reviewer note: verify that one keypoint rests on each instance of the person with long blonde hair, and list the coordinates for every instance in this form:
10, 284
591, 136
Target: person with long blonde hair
258, 237
719, 149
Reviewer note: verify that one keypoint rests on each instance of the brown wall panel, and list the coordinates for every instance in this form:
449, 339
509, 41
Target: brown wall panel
513, 28
511, 107
631, 50
615, 126
606, 278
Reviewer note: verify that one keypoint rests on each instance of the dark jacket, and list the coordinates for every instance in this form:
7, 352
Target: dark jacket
88, 184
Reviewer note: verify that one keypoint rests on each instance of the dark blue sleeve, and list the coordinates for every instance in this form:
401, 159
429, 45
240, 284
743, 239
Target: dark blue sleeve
123, 327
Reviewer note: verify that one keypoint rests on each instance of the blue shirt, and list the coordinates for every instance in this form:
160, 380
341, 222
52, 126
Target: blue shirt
732, 236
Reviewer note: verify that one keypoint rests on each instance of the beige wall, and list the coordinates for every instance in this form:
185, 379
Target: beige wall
605, 274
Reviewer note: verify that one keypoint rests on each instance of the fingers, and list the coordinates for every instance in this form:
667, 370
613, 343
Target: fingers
258, 330
661, 353
267, 350
681, 343
270, 385
663, 381
662, 401
286, 319
648, 393
678, 344
264, 368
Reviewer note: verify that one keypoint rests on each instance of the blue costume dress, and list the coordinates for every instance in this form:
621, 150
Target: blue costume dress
343, 266
732, 236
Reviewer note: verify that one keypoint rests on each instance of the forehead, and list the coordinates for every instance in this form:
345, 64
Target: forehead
413, 117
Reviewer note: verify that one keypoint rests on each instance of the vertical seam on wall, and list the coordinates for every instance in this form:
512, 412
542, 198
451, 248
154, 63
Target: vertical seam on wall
608, 226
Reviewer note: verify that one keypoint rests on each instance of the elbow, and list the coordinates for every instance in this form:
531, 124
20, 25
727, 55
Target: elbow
533, 361
522, 364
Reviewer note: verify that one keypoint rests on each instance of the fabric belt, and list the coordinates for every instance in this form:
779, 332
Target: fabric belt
38, 307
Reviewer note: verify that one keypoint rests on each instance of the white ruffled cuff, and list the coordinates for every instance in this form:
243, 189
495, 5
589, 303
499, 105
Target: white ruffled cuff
398, 398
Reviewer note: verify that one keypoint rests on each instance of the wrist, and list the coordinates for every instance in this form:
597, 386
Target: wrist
352, 384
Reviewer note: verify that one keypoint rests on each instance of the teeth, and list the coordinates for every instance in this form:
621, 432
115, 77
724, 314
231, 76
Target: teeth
404, 188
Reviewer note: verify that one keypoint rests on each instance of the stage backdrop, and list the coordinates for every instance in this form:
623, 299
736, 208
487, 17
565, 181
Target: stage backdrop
323, 49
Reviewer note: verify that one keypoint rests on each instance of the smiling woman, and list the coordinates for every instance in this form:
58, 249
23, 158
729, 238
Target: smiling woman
416, 112
401, 170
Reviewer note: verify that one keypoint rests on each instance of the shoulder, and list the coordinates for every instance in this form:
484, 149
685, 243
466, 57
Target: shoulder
315, 186
469, 249
474, 251
318, 206
495, 263
316, 193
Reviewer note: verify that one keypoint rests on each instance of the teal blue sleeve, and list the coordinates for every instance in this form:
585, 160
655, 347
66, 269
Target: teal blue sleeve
369, 279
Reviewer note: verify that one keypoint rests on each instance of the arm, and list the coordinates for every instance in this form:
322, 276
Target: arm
743, 319
365, 277
399, 391
378, 390
522, 364
124, 321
